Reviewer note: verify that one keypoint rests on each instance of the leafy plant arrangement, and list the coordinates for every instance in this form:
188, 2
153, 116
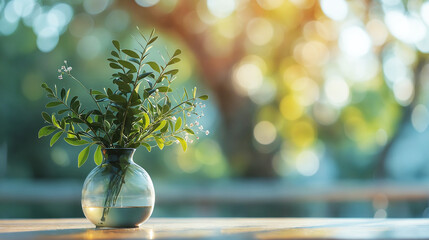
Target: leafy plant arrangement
140, 112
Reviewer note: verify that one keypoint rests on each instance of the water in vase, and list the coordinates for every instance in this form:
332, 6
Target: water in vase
118, 216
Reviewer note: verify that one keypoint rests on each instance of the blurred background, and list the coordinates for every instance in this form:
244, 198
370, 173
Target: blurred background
316, 109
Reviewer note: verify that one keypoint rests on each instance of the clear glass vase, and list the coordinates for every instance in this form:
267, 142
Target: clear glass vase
118, 193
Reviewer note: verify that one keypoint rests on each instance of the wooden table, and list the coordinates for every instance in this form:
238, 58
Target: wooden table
221, 228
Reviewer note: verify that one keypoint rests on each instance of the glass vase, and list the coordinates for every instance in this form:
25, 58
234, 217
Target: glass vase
118, 193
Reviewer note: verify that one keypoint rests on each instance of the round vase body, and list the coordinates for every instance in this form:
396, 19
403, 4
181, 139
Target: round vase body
118, 193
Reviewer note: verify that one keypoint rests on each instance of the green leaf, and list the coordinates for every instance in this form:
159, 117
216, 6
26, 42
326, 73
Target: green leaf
177, 52
63, 93
203, 97
154, 66
106, 124
47, 117
75, 106
152, 40
147, 146
146, 120
122, 86
178, 124
188, 130
46, 131
182, 142
54, 121
117, 98
116, 44
75, 142
172, 72
159, 142
115, 54
95, 92
165, 89
115, 66
67, 95
128, 78
173, 61
134, 60
98, 155
160, 125
101, 96
55, 138
128, 65
143, 75
49, 90
62, 111
73, 100
89, 119
83, 156
194, 92
131, 53
165, 128
53, 104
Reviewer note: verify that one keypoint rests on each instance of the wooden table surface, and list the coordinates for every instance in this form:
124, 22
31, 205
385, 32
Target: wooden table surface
221, 228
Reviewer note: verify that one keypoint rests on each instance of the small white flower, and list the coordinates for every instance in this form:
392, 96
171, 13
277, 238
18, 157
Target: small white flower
191, 125
188, 114
174, 118
202, 114
207, 132
191, 141
201, 127
63, 68
177, 142
157, 90
197, 123
69, 69
60, 77
65, 61
59, 70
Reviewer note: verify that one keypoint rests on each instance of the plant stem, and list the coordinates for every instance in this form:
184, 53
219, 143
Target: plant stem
115, 185
129, 100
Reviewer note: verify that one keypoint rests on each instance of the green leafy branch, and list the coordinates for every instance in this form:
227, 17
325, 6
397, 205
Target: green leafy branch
128, 116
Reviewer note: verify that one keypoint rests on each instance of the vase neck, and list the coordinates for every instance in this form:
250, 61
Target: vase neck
123, 155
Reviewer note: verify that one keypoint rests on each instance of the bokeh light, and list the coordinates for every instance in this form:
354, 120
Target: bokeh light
147, 3
337, 91
307, 163
354, 41
259, 31
420, 118
265, 132
335, 9
221, 8
248, 78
